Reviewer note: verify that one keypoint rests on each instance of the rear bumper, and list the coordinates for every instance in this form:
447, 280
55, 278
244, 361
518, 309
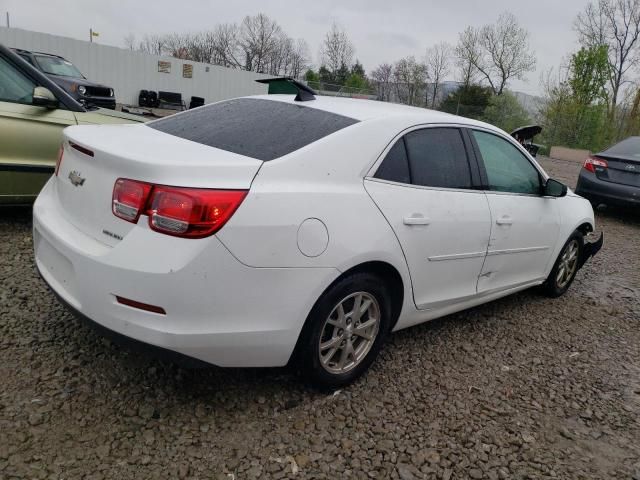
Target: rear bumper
218, 310
591, 187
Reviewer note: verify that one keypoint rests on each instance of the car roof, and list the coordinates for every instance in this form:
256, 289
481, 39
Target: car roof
363, 109
21, 50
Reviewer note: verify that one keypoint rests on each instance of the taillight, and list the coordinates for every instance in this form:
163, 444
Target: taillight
591, 163
129, 199
180, 211
59, 159
192, 212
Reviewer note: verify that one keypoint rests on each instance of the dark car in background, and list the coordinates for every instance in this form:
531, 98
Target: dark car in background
613, 175
69, 78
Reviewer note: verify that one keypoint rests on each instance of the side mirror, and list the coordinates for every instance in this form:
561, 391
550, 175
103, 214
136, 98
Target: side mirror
42, 97
554, 188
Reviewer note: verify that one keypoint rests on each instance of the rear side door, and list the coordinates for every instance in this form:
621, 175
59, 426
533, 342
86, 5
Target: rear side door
29, 136
525, 224
425, 188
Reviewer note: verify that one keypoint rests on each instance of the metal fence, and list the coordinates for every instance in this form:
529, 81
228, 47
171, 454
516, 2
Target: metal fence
128, 72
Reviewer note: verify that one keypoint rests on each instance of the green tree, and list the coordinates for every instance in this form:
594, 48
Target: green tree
575, 113
358, 69
468, 101
311, 76
506, 112
589, 75
356, 81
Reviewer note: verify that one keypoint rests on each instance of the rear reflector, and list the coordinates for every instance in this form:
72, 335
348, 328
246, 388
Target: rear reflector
141, 306
593, 163
81, 149
178, 211
129, 199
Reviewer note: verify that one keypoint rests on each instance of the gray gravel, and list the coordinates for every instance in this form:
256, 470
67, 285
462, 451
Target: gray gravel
525, 387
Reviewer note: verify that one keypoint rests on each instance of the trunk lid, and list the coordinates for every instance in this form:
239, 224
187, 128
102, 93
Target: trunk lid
84, 185
620, 170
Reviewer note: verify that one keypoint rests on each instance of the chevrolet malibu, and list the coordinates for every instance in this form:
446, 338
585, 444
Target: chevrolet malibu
274, 230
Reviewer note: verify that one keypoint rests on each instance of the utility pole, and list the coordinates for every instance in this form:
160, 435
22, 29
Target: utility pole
8, 24
91, 35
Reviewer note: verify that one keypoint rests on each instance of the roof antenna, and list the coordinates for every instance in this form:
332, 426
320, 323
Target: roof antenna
289, 85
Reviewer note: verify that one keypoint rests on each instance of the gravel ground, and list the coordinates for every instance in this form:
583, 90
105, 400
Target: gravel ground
524, 387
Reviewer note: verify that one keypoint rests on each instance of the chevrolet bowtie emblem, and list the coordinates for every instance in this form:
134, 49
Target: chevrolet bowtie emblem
76, 179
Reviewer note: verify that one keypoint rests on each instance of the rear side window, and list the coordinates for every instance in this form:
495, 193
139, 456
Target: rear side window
395, 166
253, 127
438, 158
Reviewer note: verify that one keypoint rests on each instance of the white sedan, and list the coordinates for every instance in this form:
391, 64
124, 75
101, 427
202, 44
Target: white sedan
268, 230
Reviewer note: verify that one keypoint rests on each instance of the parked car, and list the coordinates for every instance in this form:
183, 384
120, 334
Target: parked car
613, 175
334, 222
524, 136
70, 79
33, 112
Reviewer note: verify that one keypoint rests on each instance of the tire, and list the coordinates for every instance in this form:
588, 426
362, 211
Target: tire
328, 322
567, 264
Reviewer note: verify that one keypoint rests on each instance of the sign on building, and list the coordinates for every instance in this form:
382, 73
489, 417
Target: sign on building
187, 70
164, 67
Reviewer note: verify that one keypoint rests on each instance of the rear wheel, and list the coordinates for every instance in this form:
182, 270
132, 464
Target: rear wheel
345, 331
566, 266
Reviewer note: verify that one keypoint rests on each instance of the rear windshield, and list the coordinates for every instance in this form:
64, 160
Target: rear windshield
629, 147
254, 127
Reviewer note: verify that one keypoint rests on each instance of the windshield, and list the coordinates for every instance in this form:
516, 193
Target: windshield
58, 66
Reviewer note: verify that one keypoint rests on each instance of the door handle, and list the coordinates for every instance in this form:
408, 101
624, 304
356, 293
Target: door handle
504, 220
416, 219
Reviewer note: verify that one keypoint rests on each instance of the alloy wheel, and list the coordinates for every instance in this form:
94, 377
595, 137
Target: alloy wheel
568, 264
349, 332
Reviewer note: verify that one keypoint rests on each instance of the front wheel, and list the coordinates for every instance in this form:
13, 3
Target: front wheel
345, 331
566, 266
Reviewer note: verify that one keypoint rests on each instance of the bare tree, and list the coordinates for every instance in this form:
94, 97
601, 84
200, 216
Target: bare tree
437, 64
467, 54
337, 50
383, 77
409, 77
258, 39
499, 52
225, 45
616, 24
130, 41
152, 44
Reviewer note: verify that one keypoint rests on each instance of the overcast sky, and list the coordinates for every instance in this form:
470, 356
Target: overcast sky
381, 30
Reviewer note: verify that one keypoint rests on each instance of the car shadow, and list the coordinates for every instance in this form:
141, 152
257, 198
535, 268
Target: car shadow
627, 215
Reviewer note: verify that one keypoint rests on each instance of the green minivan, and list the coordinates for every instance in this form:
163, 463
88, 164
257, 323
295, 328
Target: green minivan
33, 112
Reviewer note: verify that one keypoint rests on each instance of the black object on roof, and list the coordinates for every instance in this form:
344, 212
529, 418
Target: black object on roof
527, 132
287, 85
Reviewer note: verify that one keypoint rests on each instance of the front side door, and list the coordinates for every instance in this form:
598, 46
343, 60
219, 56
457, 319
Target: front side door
29, 136
424, 188
525, 224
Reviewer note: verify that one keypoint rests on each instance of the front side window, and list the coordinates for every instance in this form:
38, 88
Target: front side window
437, 158
508, 170
14, 85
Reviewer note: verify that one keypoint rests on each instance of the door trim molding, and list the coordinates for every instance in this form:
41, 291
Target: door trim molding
456, 256
509, 251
